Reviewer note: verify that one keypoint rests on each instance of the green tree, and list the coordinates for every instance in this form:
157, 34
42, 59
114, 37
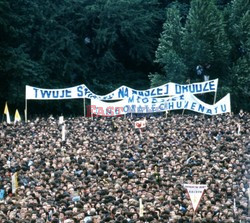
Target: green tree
238, 26
169, 51
205, 41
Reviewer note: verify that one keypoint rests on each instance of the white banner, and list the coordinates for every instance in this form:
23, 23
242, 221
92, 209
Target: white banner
123, 92
152, 105
195, 192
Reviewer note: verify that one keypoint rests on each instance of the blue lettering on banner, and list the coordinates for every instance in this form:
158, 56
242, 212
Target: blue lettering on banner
153, 92
166, 90
154, 100
147, 93
177, 89
68, 94
179, 104
171, 105
206, 87
145, 100
131, 99
55, 94
153, 108
182, 97
140, 93
212, 86
223, 108
134, 92
184, 88
209, 111
87, 91
201, 108
45, 93
216, 110
162, 107
138, 99
192, 88
198, 88
132, 109
62, 95
159, 91
79, 91
35, 92
186, 105
123, 92
148, 110
193, 105
126, 109
140, 109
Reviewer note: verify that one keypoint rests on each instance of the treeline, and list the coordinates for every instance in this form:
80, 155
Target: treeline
108, 43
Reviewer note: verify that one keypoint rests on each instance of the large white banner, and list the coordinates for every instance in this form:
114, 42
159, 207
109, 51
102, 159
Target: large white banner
123, 92
150, 105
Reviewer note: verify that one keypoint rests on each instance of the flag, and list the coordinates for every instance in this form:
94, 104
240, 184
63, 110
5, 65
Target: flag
195, 192
17, 117
140, 124
6, 112
61, 120
14, 183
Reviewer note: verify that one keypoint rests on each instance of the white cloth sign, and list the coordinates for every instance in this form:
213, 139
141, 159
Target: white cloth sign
195, 192
140, 124
152, 105
123, 92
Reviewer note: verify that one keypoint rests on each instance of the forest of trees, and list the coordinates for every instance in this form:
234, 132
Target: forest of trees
108, 43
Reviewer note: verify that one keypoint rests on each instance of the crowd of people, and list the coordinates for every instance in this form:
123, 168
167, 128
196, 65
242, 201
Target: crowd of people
106, 167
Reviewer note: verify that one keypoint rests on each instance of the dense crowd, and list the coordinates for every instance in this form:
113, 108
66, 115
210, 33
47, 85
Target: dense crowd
106, 165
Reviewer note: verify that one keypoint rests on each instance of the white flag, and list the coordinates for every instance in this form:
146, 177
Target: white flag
61, 120
195, 192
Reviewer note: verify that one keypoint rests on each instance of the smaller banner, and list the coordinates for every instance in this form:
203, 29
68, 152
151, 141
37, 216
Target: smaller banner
14, 182
140, 124
17, 117
152, 105
195, 192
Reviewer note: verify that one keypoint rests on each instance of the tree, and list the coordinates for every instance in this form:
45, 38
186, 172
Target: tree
238, 26
205, 41
169, 51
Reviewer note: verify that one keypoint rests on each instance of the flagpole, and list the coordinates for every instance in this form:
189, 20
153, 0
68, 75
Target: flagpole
26, 110
84, 107
215, 95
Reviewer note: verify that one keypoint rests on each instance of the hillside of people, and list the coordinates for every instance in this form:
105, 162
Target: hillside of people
106, 170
